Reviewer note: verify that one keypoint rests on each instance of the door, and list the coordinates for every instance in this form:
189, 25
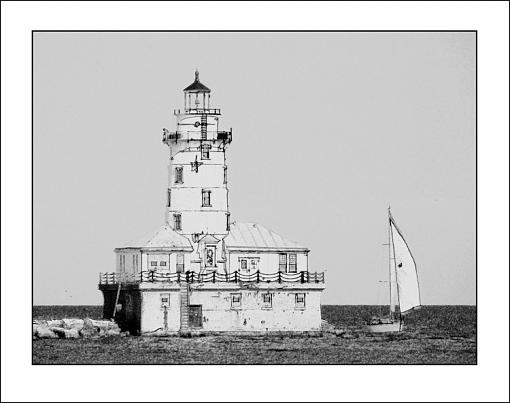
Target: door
195, 315
210, 258
180, 263
244, 266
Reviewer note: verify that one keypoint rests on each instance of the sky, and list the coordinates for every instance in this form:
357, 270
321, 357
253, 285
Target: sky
328, 130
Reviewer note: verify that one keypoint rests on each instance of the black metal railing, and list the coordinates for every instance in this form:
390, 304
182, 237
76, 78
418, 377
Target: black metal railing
211, 277
197, 135
198, 111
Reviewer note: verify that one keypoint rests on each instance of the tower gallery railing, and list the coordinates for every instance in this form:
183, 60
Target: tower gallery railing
212, 277
198, 111
196, 135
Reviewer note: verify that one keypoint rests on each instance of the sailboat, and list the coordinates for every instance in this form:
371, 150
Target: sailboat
403, 282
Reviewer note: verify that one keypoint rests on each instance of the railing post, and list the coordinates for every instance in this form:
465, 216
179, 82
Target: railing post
258, 276
187, 277
192, 275
302, 277
235, 276
316, 277
106, 278
279, 276
213, 276
178, 276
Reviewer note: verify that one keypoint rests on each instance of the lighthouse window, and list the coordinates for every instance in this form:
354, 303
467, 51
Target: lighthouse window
236, 301
165, 300
244, 265
283, 262
224, 174
292, 263
177, 222
228, 221
206, 198
300, 300
267, 300
169, 198
178, 175
205, 151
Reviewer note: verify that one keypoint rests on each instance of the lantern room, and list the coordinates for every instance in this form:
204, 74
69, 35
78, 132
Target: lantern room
196, 95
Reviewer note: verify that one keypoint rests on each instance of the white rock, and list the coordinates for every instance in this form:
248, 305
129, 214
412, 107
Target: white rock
72, 334
44, 332
73, 324
55, 323
59, 331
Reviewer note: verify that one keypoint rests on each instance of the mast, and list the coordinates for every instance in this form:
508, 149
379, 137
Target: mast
395, 265
389, 260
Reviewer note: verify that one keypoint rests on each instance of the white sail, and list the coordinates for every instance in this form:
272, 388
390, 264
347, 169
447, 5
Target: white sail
406, 274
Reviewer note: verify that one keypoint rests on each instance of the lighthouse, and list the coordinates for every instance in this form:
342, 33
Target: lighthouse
197, 195
200, 271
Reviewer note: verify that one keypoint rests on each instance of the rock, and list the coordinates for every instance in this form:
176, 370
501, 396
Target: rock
73, 324
43, 332
88, 332
102, 324
65, 333
339, 332
327, 327
347, 336
55, 323
76, 328
113, 332
124, 334
59, 331
72, 334
88, 323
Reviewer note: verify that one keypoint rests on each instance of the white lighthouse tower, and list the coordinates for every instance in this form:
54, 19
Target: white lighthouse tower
199, 271
197, 197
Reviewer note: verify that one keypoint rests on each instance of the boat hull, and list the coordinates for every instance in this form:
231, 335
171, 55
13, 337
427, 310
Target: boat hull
385, 327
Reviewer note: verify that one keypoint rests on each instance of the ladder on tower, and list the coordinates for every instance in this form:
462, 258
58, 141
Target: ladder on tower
203, 126
184, 302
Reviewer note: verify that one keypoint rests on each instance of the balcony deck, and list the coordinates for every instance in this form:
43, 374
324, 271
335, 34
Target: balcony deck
199, 111
302, 277
225, 136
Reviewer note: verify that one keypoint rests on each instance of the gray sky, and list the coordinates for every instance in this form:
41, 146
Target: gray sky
328, 128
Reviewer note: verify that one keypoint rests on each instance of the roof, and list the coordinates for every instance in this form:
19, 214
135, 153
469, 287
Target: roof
164, 238
196, 86
251, 236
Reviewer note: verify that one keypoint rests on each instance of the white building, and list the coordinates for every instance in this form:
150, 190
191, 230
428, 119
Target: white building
201, 270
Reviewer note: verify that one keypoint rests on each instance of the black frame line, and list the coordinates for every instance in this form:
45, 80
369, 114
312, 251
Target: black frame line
475, 31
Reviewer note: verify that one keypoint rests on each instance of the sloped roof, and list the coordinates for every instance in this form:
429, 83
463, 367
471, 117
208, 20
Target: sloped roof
196, 86
251, 236
164, 238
